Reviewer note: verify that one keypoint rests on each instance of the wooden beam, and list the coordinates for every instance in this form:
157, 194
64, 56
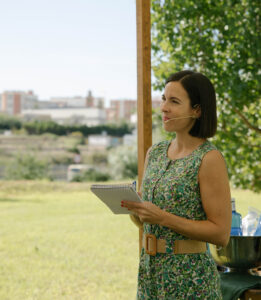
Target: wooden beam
143, 89
143, 83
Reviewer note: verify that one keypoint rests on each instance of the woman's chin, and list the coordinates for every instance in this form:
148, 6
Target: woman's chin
167, 128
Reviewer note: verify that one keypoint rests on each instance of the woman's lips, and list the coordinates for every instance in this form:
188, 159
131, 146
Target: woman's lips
165, 119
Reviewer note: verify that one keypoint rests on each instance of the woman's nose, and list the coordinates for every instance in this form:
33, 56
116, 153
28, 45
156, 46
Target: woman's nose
164, 106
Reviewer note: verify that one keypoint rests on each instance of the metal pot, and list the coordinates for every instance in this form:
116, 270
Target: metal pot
240, 255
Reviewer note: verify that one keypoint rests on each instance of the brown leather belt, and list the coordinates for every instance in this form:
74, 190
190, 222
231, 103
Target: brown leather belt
153, 245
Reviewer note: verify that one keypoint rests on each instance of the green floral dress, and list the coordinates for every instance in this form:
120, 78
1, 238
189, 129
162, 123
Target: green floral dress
173, 186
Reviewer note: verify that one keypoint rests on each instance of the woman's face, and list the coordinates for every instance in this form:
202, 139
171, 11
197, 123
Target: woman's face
176, 104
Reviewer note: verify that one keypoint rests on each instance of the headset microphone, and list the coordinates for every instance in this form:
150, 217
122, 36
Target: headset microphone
193, 117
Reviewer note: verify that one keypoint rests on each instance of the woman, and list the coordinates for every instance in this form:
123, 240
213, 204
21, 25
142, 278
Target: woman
186, 197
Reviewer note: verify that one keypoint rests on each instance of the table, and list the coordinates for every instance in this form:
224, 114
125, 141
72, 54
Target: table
251, 294
240, 286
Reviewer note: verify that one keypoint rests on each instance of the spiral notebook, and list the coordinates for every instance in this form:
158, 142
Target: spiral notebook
112, 195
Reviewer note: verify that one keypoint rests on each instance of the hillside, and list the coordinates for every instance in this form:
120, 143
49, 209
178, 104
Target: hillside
58, 151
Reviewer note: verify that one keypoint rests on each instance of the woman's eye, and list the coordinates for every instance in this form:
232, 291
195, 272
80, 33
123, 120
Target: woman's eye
171, 100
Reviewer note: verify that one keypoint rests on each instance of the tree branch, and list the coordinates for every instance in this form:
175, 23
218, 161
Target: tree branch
249, 125
244, 119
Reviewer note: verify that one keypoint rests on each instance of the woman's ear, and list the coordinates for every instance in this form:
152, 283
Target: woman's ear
197, 110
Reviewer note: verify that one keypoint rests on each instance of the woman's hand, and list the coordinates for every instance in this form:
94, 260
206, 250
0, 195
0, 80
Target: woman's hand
146, 211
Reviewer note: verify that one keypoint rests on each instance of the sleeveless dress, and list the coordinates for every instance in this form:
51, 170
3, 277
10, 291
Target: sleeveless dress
173, 186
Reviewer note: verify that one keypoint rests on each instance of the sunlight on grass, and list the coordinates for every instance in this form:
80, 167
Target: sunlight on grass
59, 242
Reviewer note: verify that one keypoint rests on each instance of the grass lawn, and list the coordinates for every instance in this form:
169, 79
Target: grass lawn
59, 242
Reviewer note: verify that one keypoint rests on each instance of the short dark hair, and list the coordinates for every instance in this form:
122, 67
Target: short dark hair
201, 91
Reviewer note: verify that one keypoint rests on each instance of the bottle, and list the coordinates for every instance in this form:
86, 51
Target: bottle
258, 229
134, 185
236, 227
250, 221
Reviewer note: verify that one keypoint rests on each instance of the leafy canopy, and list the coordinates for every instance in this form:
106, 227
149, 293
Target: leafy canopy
221, 39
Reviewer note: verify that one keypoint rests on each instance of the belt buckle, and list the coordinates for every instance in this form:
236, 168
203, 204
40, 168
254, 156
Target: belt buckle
152, 237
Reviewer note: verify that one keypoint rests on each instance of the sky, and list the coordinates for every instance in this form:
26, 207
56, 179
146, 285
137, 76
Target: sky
63, 48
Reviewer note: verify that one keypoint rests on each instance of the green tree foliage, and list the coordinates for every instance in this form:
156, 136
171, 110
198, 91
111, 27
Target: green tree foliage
123, 162
27, 167
40, 127
221, 39
43, 127
91, 175
99, 158
8, 122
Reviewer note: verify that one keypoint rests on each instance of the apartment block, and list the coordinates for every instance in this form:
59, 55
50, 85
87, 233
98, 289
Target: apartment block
124, 109
14, 101
121, 109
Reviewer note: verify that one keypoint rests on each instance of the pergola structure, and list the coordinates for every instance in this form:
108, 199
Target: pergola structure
143, 88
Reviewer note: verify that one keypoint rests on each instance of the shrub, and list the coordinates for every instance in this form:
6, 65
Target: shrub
62, 160
27, 167
74, 150
40, 127
76, 134
123, 162
50, 136
9, 122
99, 158
91, 175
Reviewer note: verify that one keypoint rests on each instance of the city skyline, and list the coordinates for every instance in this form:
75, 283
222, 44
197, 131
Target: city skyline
62, 49
88, 110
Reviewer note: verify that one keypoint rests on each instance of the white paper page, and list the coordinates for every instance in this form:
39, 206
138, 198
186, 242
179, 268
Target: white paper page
113, 195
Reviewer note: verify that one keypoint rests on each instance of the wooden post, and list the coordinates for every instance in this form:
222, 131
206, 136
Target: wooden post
143, 87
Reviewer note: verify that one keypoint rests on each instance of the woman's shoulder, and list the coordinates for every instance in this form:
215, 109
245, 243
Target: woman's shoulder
160, 145
158, 148
211, 154
213, 162
208, 151
205, 148
208, 146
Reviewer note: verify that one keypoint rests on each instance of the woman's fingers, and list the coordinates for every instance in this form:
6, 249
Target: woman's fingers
131, 204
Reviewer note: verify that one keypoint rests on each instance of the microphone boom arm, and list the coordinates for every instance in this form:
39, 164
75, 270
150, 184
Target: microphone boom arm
193, 117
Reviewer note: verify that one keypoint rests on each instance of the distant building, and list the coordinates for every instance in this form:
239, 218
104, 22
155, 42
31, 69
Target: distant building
89, 100
130, 139
62, 102
156, 102
121, 110
134, 118
94, 101
102, 141
78, 101
11, 103
14, 101
77, 169
110, 114
66, 116
126, 109
45, 104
